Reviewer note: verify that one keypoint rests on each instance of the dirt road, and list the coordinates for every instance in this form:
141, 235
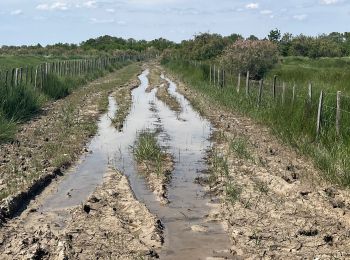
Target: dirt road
230, 190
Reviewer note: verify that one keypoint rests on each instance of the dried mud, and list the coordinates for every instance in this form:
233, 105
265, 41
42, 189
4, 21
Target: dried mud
111, 224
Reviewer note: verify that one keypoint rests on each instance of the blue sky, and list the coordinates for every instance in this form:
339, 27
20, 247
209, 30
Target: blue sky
72, 21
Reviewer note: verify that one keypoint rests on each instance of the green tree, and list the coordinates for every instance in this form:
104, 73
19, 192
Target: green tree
274, 35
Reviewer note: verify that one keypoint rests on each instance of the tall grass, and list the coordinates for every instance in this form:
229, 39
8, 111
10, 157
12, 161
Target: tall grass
20, 103
292, 121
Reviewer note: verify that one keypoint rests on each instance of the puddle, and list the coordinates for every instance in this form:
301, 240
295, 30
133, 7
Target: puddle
187, 234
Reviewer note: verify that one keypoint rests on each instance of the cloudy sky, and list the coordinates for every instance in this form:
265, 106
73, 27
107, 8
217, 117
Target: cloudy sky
52, 21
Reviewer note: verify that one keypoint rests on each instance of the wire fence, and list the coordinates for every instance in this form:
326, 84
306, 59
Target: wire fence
328, 111
37, 75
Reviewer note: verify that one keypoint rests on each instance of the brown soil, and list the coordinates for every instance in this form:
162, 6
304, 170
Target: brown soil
164, 95
112, 224
50, 142
273, 200
158, 179
124, 101
154, 77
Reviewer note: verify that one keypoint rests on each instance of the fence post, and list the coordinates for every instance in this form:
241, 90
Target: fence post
219, 80
338, 115
319, 114
261, 84
283, 92
310, 93
239, 82
274, 86
214, 75
293, 98
247, 84
210, 74
36, 77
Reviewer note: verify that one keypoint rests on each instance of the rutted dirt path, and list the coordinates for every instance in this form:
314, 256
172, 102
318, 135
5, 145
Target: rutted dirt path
257, 198
274, 201
66, 222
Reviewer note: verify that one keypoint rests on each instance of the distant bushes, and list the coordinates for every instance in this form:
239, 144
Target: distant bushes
257, 57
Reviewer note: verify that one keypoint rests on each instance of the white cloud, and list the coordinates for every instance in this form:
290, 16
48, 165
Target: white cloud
90, 4
54, 6
252, 6
110, 10
17, 12
300, 17
266, 12
329, 2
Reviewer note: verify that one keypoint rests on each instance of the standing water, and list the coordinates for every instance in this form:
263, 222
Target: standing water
187, 233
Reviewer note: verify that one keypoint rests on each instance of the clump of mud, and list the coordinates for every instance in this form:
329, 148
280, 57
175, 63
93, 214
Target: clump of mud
111, 224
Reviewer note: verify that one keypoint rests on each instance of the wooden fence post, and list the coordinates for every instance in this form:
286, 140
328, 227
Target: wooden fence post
319, 114
36, 77
214, 75
283, 92
274, 86
338, 115
239, 82
261, 84
293, 97
247, 85
310, 93
210, 74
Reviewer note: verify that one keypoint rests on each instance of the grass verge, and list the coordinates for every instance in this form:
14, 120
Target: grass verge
293, 122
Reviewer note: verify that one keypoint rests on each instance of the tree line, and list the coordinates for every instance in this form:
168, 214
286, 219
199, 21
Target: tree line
202, 46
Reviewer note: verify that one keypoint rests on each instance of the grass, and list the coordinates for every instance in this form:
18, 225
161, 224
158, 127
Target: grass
293, 121
147, 149
20, 103
239, 146
164, 95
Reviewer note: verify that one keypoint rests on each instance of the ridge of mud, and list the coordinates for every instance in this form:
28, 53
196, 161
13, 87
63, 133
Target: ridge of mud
164, 96
124, 101
273, 200
158, 179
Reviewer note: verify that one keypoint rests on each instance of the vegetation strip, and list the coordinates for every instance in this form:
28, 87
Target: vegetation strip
289, 122
273, 200
40, 148
164, 95
153, 163
124, 101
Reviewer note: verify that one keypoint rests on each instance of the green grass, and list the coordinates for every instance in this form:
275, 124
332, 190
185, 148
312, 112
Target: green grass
9, 62
20, 103
147, 149
330, 74
293, 121
239, 146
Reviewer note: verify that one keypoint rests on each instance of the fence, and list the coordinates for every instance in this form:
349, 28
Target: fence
329, 110
37, 75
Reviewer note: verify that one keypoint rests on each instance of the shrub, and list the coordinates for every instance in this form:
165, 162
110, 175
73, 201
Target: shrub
257, 57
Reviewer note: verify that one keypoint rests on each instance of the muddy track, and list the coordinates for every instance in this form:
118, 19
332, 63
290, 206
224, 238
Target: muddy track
257, 198
273, 200
48, 144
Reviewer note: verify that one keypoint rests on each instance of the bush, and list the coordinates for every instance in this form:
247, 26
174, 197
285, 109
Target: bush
257, 57
19, 102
